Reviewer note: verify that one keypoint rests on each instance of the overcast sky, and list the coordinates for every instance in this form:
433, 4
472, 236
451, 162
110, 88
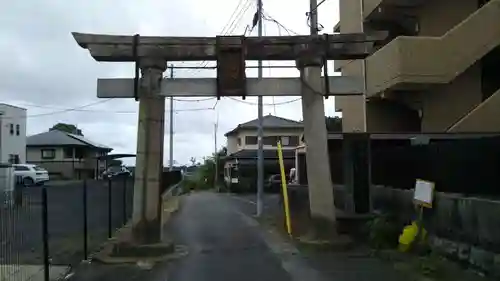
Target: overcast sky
45, 71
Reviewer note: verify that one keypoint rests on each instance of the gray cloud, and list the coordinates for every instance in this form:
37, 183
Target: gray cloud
45, 71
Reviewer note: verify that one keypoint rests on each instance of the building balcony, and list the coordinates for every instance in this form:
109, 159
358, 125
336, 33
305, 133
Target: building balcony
483, 118
389, 10
411, 63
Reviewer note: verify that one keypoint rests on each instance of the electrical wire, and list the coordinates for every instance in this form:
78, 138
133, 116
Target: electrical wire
319, 26
197, 100
266, 104
230, 26
81, 109
267, 17
78, 108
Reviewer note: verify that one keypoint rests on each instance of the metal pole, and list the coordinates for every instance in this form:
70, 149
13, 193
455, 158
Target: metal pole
110, 214
260, 130
171, 140
85, 221
124, 199
45, 235
216, 158
313, 16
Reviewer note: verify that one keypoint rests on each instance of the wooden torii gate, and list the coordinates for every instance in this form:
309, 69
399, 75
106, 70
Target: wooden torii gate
151, 55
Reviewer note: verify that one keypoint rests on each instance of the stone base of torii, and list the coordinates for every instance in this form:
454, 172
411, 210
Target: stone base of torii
152, 53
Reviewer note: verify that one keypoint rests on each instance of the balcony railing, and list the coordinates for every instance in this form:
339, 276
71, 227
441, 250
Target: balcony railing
415, 62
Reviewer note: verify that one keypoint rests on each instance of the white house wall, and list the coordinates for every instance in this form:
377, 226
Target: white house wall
232, 141
12, 143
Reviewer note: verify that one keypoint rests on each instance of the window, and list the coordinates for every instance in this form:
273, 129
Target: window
68, 152
251, 140
18, 129
79, 153
21, 168
11, 129
289, 140
14, 159
48, 153
239, 141
271, 140
285, 141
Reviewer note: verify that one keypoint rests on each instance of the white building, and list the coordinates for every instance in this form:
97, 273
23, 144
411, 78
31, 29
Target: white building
12, 134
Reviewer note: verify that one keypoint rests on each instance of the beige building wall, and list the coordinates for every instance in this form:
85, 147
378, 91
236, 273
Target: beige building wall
34, 154
233, 146
66, 167
436, 75
352, 107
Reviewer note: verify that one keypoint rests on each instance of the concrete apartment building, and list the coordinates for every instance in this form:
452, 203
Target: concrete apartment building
439, 70
12, 134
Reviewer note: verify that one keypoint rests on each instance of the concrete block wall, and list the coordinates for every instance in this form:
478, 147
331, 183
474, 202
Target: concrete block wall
464, 228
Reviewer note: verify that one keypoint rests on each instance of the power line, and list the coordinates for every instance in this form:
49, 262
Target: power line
318, 26
197, 100
81, 109
267, 104
248, 66
231, 24
78, 108
267, 17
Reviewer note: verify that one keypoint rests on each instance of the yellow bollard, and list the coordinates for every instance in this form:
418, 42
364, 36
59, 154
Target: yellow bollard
284, 190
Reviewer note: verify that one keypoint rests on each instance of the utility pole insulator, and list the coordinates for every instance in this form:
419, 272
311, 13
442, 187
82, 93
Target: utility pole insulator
231, 77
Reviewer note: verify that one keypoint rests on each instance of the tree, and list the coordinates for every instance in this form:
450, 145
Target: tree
193, 161
67, 128
333, 124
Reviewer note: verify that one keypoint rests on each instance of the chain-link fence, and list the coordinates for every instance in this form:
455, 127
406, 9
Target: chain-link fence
58, 224
21, 243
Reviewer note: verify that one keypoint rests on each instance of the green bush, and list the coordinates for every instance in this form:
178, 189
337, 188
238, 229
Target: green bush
383, 232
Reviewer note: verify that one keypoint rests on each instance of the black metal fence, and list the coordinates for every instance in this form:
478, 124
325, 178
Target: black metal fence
58, 224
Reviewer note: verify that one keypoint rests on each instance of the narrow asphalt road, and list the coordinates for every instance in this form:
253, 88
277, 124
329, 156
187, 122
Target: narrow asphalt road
221, 243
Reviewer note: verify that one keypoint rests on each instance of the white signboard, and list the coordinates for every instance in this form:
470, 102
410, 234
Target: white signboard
424, 193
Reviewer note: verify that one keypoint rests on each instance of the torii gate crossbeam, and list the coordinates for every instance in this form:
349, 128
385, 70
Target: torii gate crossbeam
151, 55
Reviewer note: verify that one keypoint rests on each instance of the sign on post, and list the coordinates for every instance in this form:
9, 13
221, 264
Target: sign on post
424, 193
423, 197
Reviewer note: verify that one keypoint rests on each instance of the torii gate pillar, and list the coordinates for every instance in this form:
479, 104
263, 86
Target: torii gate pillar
146, 223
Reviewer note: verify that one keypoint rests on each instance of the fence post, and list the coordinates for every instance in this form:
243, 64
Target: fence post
124, 198
110, 201
45, 235
18, 191
85, 221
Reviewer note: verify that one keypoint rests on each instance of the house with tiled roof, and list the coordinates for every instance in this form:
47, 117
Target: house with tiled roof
65, 155
242, 146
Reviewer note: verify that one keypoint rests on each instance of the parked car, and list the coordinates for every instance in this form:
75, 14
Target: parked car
116, 171
273, 183
31, 174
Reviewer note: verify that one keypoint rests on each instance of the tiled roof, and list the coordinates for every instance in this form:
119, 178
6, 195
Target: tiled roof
59, 138
269, 121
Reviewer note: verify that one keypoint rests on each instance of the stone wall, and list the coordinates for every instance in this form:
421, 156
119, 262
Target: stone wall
463, 228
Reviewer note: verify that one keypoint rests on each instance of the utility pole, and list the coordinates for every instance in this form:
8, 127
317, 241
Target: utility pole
171, 136
260, 130
318, 165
